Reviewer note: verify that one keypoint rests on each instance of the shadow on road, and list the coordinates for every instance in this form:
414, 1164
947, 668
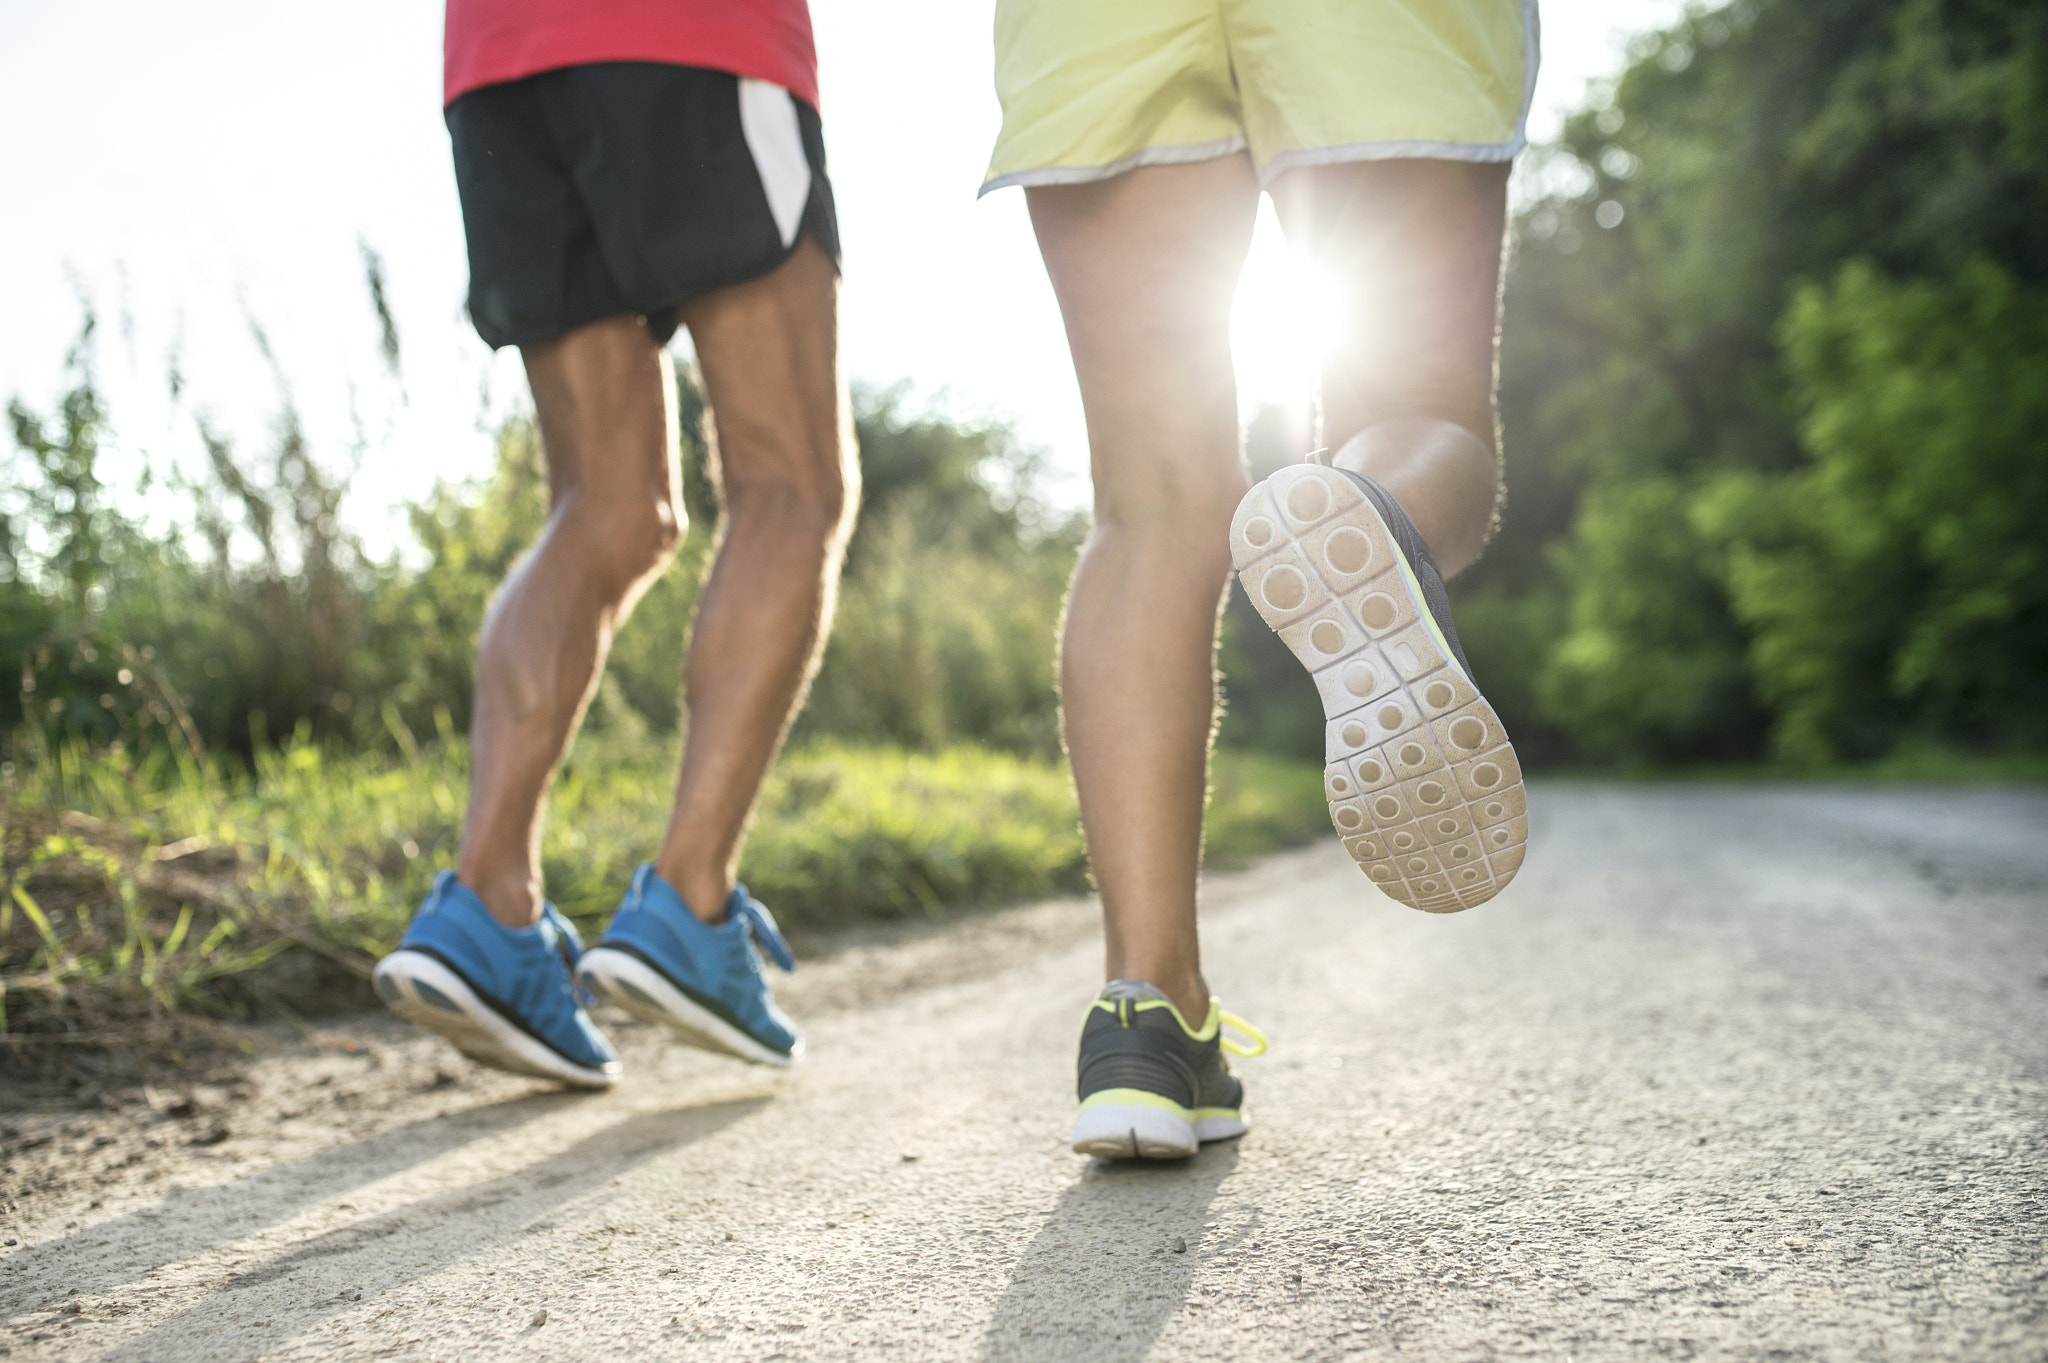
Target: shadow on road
330, 1272
1102, 1278
189, 1221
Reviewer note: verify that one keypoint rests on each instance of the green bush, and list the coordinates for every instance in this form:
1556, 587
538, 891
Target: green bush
1716, 417
255, 614
261, 611
1648, 664
952, 593
850, 833
1899, 584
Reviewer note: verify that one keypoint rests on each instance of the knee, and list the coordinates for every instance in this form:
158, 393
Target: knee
658, 531
626, 541
815, 503
650, 536
1186, 503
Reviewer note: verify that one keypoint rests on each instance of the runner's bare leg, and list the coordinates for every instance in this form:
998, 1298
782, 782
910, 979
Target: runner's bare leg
769, 353
1145, 265
607, 416
1415, 248
603, 396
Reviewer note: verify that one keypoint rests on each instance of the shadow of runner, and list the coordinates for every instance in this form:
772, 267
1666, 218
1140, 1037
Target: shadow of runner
187, 1221
415, 1241
1102, 1279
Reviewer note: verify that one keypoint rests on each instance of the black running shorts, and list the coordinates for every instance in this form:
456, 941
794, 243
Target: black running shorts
629, 188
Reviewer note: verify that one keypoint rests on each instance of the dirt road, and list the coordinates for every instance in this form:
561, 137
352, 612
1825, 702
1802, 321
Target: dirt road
1728, 1073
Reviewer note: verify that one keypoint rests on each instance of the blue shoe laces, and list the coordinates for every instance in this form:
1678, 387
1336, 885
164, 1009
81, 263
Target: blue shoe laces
751, 912
569, 942
761, 925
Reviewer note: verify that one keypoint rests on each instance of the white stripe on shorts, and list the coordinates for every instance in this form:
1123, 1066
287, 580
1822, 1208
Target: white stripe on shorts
768, 118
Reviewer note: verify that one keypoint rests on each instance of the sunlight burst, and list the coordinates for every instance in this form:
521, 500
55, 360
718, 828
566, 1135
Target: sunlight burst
1284, 320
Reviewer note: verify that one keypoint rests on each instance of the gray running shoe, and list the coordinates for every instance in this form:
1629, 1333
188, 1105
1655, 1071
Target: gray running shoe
1423, 784
1151, 1087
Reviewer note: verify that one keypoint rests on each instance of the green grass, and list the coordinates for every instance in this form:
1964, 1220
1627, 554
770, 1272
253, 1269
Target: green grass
136, 892
133, 894
1258, 803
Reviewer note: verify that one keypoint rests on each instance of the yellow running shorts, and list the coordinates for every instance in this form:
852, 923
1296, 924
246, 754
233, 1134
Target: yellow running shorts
1092, 88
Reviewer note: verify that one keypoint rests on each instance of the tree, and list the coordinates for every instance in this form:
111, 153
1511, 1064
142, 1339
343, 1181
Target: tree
1663, 390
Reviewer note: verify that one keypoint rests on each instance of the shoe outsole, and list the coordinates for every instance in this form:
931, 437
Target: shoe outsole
411, 982
1120, 1131
1423, 785
630, 983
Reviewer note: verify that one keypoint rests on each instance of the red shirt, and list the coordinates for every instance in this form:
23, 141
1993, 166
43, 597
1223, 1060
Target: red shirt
491, 41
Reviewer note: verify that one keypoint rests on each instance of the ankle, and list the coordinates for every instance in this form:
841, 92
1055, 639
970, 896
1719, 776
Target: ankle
1188, 991
513, 900
706, 895
513, 905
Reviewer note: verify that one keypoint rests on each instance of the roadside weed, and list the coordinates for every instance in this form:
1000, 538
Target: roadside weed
141, 891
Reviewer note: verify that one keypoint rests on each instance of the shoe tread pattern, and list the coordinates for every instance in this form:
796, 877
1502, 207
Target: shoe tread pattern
1423, 784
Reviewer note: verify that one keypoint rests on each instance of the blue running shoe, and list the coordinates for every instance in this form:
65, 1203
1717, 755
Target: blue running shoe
503, 996
703, 981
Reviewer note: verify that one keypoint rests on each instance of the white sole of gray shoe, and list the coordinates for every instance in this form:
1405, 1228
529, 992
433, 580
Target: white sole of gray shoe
1423, 785
1132, 1131
1128, 1131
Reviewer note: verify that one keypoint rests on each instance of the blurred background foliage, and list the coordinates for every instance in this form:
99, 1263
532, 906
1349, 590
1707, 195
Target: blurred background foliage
253, 613
1774, 389
1774, 385
1774, 370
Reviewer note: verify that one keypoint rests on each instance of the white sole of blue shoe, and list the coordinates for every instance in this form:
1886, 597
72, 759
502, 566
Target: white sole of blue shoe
423, 991
627, 982
1423, 785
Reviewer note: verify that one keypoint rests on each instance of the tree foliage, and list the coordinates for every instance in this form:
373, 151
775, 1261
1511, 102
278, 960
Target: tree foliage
1898, 583
1769, 367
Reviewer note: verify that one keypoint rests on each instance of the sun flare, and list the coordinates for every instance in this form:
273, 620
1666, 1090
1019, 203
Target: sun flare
1282, 323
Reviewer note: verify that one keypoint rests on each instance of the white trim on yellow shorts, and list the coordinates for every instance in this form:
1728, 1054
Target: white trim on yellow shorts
1148, 156
1046, 49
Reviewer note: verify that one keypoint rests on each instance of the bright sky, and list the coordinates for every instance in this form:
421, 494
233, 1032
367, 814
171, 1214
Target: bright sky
188, 168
